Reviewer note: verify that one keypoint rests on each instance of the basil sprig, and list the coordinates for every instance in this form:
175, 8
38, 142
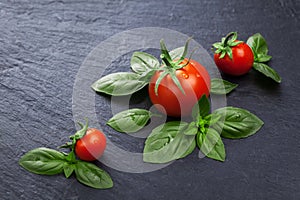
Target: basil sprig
47, 161
174, 139
259, 48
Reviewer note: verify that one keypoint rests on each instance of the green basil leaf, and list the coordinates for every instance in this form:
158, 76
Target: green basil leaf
263, 58
211, 145
167, 142
91, 175
220, 86
119, 84
190, 149
192, 129
212, 118
238, 123
43, 161
68, 169
176, 53
143, 62
202, 108
267, 71
258, 44
130, 121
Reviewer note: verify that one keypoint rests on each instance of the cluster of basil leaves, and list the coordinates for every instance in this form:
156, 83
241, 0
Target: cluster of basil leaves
177, 139
47, 161
259, 48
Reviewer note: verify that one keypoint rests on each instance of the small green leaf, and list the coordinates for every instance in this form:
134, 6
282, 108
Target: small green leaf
220, 86
238, 123
71, 157
43, 161
142, 62
202, 108
91, 175
119, 84
212, 118
258, 44
167, 142
68, 169
263, 58
267, 71
211, 145
130, 121
192, 129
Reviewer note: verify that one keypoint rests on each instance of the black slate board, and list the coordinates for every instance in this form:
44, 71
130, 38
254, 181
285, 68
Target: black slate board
44, 43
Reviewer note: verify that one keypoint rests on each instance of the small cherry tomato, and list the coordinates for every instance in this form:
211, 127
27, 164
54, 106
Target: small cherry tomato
91, 146
232, 56
195, 82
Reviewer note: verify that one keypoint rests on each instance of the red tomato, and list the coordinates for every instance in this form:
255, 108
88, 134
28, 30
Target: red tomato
91, 146
170, 100
241, 62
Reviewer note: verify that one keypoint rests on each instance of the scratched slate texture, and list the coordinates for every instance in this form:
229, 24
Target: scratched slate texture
42, 45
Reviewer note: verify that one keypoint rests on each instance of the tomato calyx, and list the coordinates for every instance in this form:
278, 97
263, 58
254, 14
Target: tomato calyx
169, 66
71, 157
227, 42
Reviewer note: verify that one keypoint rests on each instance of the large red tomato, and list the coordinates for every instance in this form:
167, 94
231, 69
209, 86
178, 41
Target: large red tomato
170, 100
91, 146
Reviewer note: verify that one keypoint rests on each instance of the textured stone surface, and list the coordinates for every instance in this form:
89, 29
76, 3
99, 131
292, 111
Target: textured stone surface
42, 45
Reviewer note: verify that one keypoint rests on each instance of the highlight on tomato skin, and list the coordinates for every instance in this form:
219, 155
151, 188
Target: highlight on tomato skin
170, 100
91, 146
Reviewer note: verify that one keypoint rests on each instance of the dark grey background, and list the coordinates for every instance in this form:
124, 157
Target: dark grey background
43, 43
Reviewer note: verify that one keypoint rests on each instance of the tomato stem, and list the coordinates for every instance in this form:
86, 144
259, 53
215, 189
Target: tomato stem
166, 61
227, 37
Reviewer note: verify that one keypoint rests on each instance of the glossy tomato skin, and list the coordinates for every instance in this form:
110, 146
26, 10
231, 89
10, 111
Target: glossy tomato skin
195, 81
91, 146
241, 62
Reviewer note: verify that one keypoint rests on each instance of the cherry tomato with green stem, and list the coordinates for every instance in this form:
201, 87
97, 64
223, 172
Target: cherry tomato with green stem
91, 146
232, 56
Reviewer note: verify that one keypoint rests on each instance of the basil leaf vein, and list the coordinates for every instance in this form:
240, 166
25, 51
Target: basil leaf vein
238, 123
211, 144
142, 62
119, 84
167, 142
91, 175
43, 161
267, 71
258, 44
130, 121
